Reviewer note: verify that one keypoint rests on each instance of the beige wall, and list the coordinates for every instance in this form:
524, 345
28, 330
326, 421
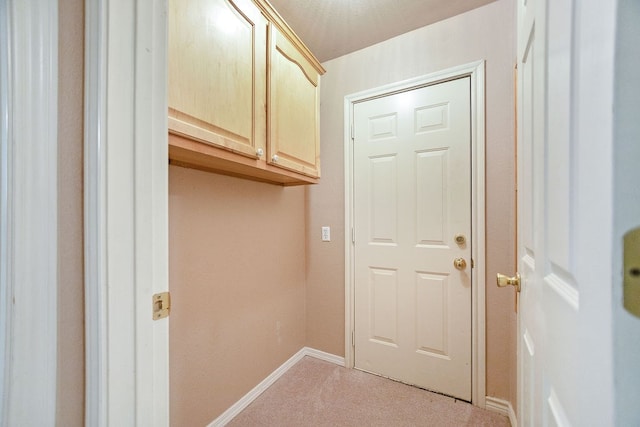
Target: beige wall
70, 401
236, 276
486, 33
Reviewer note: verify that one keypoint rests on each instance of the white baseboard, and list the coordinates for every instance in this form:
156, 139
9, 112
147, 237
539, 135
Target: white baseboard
327, 357
246, 400
502, 407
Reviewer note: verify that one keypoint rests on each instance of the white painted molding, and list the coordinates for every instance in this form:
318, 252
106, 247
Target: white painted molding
478, 194
475, 71
5, 308
327, 357
246, 400
152, 209
502, 407
94, 212
28, 203
126, 212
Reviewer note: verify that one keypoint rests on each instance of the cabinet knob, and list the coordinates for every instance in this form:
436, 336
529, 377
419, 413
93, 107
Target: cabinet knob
275, 158
259, 152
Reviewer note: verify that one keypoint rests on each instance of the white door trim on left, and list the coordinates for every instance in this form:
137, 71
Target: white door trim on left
126, 212
475, 71
28, 211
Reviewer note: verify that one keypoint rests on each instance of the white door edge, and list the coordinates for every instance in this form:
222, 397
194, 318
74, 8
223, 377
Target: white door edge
94, 246
475, 71
28, 212
126, 212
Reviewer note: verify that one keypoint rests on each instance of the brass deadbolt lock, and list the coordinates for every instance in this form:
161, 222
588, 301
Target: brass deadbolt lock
460, 239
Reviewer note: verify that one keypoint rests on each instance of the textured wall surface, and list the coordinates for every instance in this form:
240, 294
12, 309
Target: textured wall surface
70, 402
236, 276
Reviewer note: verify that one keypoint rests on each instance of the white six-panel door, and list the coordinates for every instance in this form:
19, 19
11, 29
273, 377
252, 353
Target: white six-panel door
531, 56
412, 196
564, 344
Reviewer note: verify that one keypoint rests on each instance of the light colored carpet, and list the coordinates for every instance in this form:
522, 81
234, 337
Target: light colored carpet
319, 393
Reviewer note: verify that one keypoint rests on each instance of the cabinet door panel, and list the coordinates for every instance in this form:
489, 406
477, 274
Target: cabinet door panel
293, 108
217, 86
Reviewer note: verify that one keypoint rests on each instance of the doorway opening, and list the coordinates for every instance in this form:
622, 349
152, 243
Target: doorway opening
475, 74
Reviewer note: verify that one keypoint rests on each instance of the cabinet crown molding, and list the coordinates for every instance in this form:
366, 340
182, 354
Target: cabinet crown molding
273, 16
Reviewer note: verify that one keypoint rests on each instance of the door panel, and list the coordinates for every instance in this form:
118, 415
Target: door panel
384, 200
384, 309
412, 182
432, 292
430, 199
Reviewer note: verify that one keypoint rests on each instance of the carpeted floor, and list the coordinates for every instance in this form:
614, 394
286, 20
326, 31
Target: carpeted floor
319, 393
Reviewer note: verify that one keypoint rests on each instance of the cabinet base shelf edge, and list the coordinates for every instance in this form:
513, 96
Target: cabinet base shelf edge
191, 154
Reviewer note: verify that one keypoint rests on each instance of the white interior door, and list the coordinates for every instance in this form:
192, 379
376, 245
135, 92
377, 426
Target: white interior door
530, 215
564, 216
412, 197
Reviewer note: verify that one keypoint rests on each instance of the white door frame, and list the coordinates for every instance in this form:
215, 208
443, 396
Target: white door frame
126, 212
475, 71
28, 212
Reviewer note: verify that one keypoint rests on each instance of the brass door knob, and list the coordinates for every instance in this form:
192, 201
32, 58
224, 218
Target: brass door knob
460, 263
508, 281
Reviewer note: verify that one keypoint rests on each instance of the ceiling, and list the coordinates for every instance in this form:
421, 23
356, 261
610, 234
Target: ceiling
332, 28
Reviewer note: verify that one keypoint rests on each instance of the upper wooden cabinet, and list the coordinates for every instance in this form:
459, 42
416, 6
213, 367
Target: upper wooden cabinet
216, 80
243, 92
293, 107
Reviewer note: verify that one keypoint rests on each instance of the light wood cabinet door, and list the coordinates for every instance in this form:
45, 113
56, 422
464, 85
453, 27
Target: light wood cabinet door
217, 81
293, 137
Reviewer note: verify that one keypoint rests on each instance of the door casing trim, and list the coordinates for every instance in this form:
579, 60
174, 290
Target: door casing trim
28, 212
475, 71
125, 212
